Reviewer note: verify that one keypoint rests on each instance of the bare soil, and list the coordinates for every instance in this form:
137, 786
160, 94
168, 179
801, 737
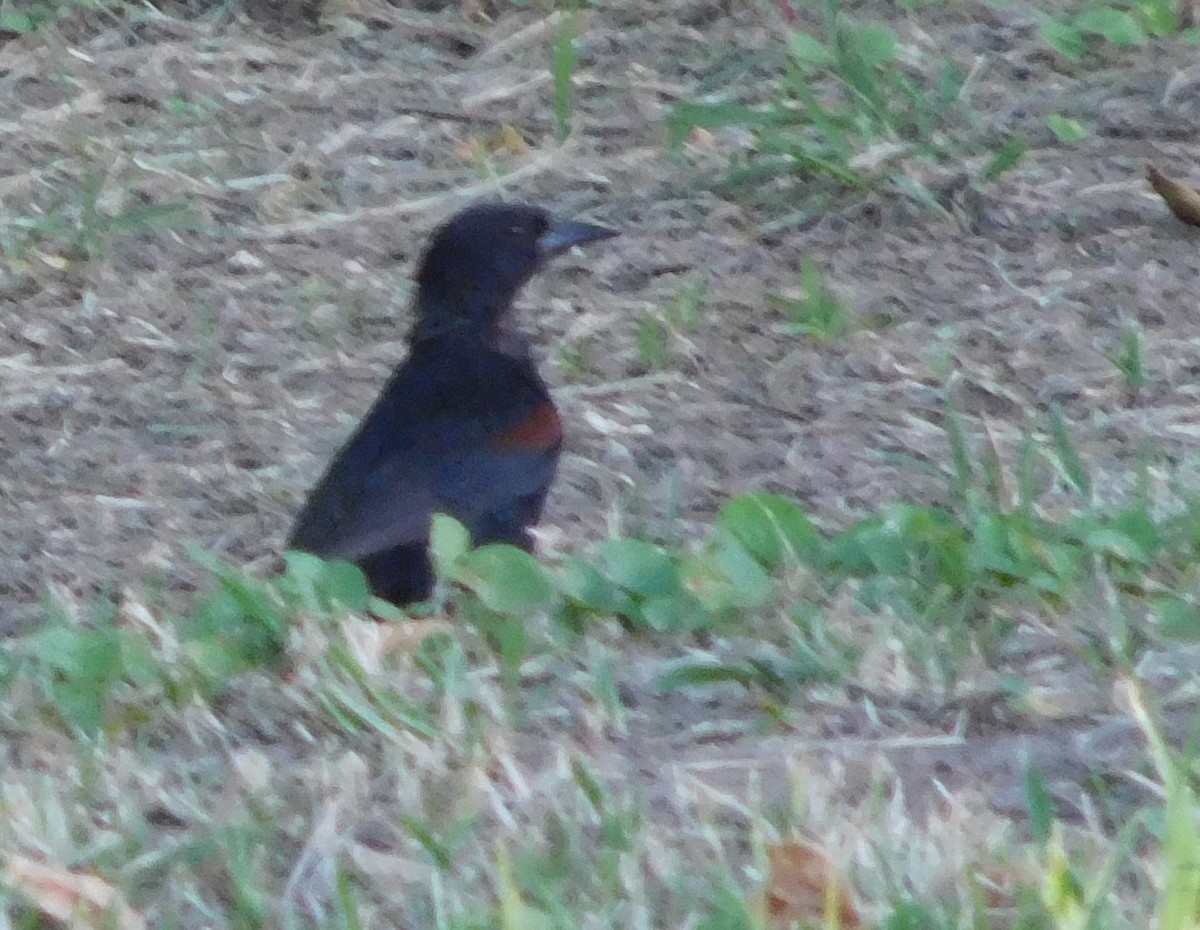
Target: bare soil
172, 380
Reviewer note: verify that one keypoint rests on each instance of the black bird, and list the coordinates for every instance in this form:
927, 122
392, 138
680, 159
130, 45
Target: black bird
465, 426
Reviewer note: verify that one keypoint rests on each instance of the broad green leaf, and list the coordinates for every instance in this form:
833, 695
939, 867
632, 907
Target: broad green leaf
138, 661
80, 654
1067, 131
640, 567
345, 584
876, 45
724, 576
505, 632
1064, 39
584, 584
1117, 544
506, 579
304, 571
449, 540
885, 550
1139, 526
1113, 25
950, 83
670, 614
772, 528
255, 601
215, 658
319, 583
1006, 157
1178, 619
17, 22
1159, 16
809, 51
80, 704
753, 586
990, 550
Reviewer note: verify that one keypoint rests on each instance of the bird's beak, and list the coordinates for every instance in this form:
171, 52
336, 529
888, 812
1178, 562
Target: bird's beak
565, 234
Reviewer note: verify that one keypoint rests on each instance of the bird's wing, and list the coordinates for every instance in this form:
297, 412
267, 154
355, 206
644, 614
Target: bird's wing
348, 514
467, 436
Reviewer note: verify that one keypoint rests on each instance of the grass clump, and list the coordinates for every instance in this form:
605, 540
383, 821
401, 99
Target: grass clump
850, 108
760, 606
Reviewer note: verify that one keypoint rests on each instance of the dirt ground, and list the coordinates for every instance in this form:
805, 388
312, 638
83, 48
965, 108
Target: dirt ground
169, 379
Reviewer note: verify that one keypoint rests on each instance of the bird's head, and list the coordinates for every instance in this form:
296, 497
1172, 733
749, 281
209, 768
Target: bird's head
478, 260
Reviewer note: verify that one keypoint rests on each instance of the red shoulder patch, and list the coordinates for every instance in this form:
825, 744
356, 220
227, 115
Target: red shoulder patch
540, 431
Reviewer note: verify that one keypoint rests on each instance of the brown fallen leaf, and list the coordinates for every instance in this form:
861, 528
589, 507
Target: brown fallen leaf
75, 899
804, 886
507, 140
1183, 200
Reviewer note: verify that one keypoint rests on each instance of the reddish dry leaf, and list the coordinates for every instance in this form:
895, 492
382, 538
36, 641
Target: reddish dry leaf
1183, 200
507, 140
803, 884
75, 899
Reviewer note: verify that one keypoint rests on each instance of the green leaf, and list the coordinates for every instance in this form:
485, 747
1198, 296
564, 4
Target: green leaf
17, 22
506, 633
1178, 619
215, 658
449, 540
1067, 131
670, 614
772, 528
583, 583
875, 45
87, 663
256, 603
138, 662
303, 570
344, 583
688, 115
872, 547
94, 655
990, 550
245, 616
950, 83
563, 68
320, 584
640, 567
1039, 803
691, 674
80, 704
809, 51
750, 582
1159, 16
506, 579
1005, 158
1180, 853
1113, 25
424, 834
1063, 38
1071, 462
